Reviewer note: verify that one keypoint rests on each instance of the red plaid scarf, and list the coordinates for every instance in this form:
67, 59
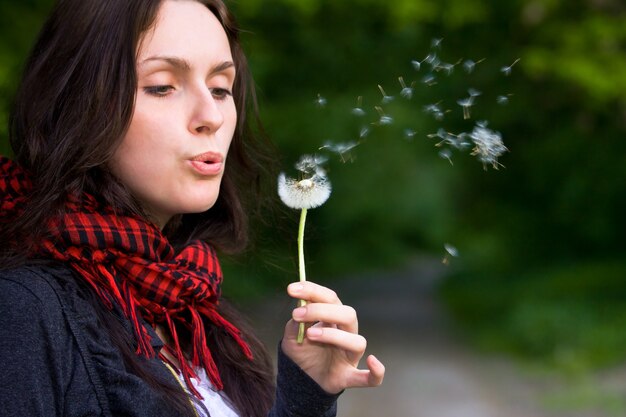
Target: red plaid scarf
127, 261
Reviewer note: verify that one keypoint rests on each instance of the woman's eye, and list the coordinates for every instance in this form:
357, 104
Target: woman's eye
221, 93
158, 90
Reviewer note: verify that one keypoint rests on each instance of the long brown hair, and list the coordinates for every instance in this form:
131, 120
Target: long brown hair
71, 111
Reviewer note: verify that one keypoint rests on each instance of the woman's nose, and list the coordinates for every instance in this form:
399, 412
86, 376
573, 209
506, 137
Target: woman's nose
207, 116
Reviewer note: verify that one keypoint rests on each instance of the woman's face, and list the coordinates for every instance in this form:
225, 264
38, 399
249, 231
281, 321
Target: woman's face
173, 156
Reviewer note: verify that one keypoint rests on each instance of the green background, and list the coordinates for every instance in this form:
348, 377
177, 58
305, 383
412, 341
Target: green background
542, 265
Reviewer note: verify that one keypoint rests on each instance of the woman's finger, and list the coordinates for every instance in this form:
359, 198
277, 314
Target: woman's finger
377, 371
351, 343
312, 292
372, 377
344, 317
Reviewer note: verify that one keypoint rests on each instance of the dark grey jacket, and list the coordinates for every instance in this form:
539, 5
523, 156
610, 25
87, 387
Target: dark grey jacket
56, 360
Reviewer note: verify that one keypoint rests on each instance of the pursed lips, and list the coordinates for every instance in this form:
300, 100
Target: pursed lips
209, 158
208, 163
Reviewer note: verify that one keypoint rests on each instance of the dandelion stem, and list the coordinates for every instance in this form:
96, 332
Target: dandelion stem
301, 267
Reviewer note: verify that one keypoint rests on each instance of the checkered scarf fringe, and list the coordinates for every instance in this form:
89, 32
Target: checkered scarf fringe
127, 261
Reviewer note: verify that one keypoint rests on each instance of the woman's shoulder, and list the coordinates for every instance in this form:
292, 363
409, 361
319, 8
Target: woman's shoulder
36, 288
49, 324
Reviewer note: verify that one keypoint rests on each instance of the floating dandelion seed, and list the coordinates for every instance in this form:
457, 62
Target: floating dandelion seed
364, 132
386, 99
320, 101
446, 154
473, 92
416, 64
432, 59
341, 149
436, 43
488, 145
503, 99
358, 110
469, 65
406, 92
446, 67
466, 103
327, 145
435, 65
303, 195
507, 70
409, 134
434, 110
311, 164
456, 141
459, 141
384, 119
429, 79
441, 134
451, 251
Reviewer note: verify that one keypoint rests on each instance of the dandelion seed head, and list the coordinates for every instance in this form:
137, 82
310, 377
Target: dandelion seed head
305, 184
307, 193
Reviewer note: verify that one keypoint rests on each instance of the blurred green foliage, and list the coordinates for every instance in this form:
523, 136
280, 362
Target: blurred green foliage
542, 270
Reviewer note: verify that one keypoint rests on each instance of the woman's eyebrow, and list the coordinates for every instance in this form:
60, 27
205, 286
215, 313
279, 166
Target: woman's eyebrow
184, 65
178, 63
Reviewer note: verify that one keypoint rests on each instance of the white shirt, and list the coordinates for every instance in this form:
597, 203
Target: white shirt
217, 403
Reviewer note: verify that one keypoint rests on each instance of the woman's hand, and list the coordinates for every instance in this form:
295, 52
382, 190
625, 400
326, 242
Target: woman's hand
332, 348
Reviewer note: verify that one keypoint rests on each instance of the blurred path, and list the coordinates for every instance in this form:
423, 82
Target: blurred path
429, 373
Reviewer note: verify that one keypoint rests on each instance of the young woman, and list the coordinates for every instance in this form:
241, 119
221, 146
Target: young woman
133, 149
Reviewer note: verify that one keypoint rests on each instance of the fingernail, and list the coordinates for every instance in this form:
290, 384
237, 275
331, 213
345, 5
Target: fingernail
296, 287
299, 312
314, 332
